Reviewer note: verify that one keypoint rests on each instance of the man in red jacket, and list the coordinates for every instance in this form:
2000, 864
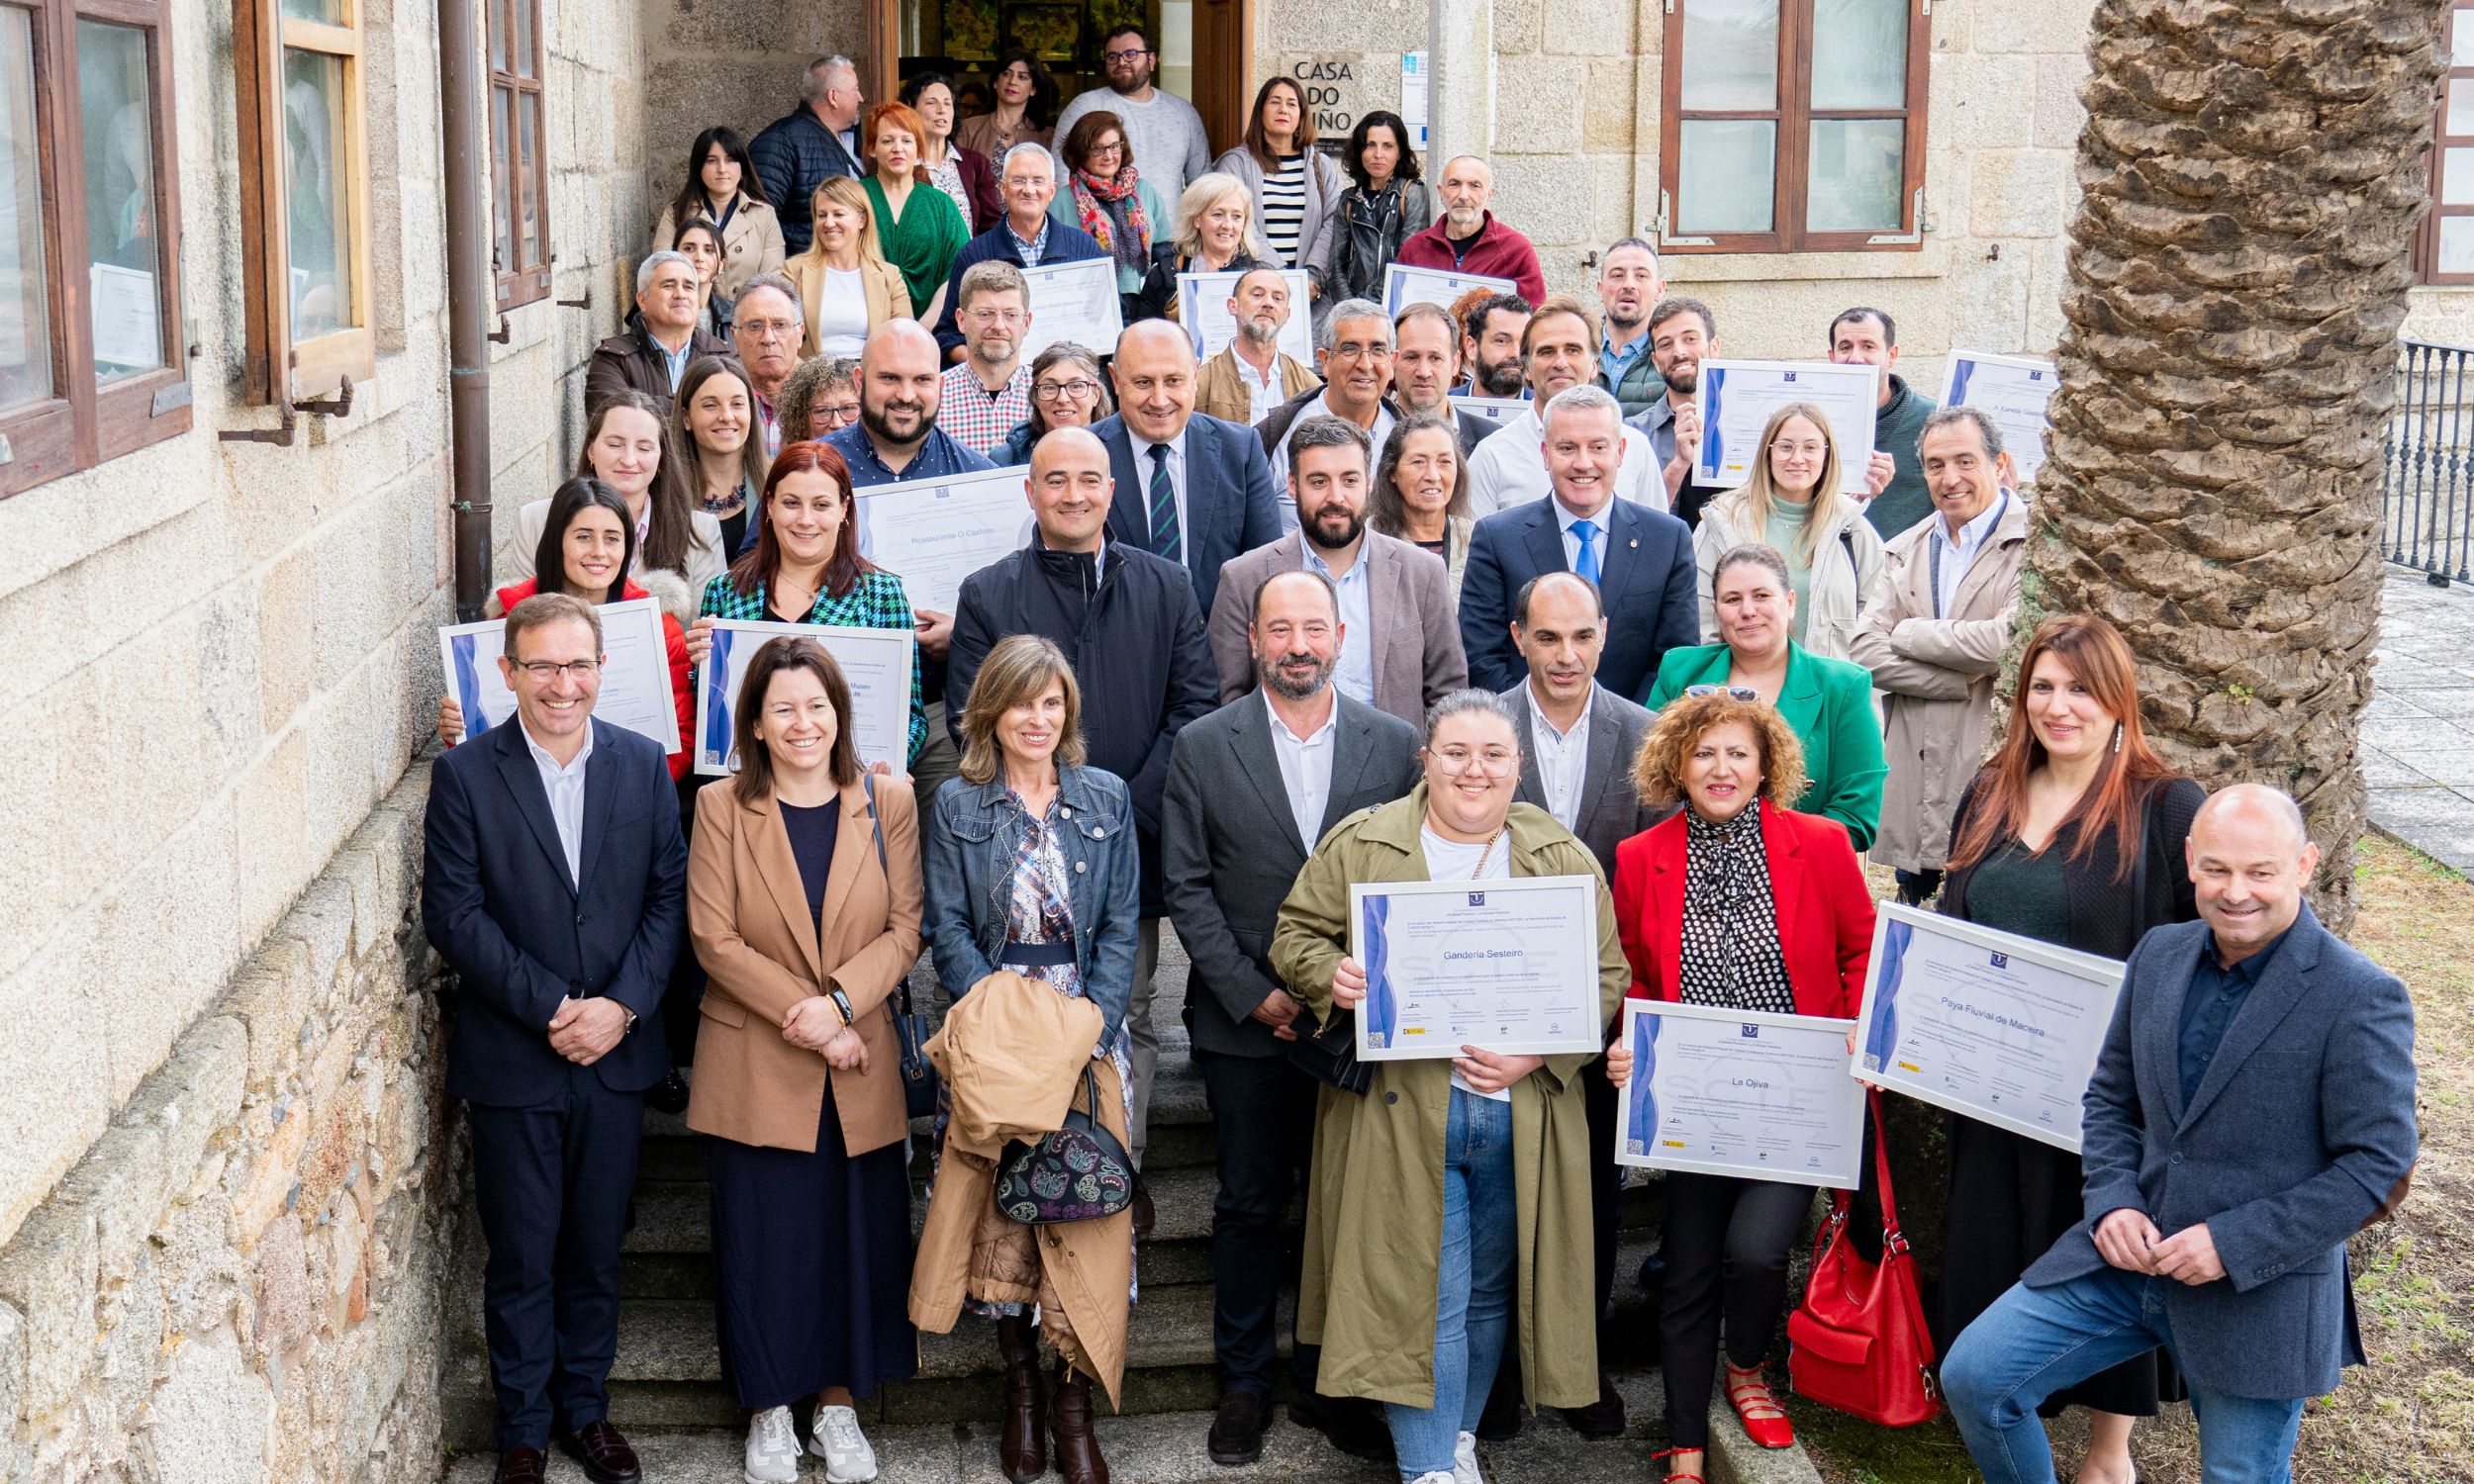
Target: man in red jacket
1469, 239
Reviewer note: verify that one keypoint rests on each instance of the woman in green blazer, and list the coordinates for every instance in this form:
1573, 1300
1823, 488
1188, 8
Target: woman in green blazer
1829, 703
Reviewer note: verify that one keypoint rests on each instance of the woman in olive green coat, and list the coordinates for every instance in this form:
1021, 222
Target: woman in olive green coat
1828, 703
1486, 1157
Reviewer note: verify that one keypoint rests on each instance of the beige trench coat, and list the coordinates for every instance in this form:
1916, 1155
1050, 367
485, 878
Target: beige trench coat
1936, 678
1374, 1224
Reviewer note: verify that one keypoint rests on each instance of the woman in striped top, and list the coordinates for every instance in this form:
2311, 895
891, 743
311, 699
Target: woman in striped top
1295, 185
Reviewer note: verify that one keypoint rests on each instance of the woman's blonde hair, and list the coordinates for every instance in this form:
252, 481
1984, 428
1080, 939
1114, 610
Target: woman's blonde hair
1748, 508
1017, 672
842, 190
1657, 773
1203, 193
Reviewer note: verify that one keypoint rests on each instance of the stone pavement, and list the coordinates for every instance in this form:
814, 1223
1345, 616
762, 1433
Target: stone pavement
2418, 736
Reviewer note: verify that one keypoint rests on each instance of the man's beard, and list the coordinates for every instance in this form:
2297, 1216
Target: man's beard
1128, 89
1276, 681
1681, 382
1501, 378
874, 420
1259, 332
1323, 538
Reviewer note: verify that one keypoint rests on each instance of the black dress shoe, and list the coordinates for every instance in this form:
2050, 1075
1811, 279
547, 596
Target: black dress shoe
522, 1466
1602, 1419
1350, 1423
669, 1095
1237, 1431
1144, 1214
603, 1452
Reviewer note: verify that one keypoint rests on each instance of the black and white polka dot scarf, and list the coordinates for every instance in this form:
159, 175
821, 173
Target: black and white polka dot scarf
1731, 953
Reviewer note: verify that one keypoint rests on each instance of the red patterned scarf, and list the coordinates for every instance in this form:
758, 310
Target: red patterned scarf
1111, 211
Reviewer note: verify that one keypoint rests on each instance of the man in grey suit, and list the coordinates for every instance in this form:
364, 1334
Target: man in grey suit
1251, 789
1403, 647
2252, 1110
1577, 743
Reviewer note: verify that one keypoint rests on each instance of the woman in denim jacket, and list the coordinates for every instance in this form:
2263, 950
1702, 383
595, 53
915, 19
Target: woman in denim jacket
1032, 867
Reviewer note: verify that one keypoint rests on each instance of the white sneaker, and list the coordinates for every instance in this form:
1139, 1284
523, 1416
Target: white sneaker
772, 1448
1465, 1460
844, 1449
1438, 1477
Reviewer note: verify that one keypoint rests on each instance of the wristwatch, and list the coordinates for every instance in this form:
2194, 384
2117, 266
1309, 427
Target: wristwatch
631, 1030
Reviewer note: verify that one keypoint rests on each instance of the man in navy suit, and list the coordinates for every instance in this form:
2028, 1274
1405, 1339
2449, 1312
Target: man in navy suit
2252, 1110
1640, 558
1190, 487
554, 885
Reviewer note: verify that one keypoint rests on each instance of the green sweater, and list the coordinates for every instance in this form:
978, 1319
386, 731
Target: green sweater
1829, 705
1895, 430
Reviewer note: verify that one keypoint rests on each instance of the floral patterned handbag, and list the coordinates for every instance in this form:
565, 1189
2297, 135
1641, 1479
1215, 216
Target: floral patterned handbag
1079, 1172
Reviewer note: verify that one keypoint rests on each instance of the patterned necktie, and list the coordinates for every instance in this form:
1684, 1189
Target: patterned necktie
1166, 539
1586, 532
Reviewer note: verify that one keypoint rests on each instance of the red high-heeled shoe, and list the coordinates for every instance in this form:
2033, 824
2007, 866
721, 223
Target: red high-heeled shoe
1674, 1476
1764, 1420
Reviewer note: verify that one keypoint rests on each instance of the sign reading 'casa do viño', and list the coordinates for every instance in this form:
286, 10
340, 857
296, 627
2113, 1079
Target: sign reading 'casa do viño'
1333, 93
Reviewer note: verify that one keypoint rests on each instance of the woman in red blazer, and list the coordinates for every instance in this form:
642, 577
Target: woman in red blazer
1739, 902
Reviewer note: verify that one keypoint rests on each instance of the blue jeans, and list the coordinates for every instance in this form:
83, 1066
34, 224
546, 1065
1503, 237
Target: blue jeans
2034, 1342
1472, 1284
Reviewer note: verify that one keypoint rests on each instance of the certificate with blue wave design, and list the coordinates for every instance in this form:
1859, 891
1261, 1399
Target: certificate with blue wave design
1740, 1092
1510, 966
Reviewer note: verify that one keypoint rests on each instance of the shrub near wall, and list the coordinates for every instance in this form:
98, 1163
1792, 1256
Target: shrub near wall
240, 1281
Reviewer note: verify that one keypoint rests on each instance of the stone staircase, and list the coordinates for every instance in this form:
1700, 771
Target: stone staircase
939, 1426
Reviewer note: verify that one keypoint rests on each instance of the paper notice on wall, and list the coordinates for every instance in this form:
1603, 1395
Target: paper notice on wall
1413, 79
127, 323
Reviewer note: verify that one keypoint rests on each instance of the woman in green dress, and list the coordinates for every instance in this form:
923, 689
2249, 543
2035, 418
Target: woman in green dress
1829, 703
919, 228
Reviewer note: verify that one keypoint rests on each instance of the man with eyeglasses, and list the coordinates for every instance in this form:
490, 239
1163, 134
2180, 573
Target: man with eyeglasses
1354, 352
555, 884
1162, 130
1025, 236
1252, 376
989, 394
766, 325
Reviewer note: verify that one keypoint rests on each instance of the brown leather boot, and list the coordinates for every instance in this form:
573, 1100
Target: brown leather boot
1022, 1440
1069, 1417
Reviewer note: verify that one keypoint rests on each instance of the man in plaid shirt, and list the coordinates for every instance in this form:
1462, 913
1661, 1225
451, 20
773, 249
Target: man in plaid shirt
989, 394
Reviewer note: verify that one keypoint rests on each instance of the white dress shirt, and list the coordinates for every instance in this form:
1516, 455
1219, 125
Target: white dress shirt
1178, 480
1564, 520
1305, 769
565, 786
1951, 562
1562, 757
1265, 390
1355, 672
1320, 407
1509, 469
1453, 861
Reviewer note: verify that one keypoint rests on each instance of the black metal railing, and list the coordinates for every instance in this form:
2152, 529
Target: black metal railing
2426, 487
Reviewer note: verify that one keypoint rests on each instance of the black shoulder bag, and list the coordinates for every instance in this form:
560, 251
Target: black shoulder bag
918, 1076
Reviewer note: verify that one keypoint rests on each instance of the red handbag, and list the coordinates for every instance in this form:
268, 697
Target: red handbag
1859, 1343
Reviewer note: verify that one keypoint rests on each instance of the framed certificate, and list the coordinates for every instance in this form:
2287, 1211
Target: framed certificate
875, 662
2000, 1028
1495, 409
635, 672
2013, 390
934, 533
1509, 966
1405, 285
1737, 398
1074, 303
1202, 308
1740, 1092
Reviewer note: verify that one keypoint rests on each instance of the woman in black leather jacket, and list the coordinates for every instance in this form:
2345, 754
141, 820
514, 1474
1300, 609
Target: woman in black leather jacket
1385, 206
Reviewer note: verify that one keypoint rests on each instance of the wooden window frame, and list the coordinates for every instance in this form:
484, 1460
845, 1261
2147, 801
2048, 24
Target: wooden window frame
81, 423
2426, 235
523, 281
276, 368
1794, 117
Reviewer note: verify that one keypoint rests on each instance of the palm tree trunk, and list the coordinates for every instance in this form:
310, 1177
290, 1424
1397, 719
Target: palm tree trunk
2252, 172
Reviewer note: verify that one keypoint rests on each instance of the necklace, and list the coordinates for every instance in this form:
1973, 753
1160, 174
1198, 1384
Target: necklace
1490, 850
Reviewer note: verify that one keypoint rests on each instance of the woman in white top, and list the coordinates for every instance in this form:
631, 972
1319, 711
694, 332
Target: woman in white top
1794, 503
626, 447
1295, 185
844, 282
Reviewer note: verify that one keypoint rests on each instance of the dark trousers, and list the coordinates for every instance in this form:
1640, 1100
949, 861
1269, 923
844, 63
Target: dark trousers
552, 1184
1726, 1250
1263, 1118
1597, 1099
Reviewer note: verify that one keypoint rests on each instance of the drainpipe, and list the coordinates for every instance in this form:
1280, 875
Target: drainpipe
469, 296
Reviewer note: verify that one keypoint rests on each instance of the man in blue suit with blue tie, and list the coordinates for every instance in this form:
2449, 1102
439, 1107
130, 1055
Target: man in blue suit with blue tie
1190, 487
1641, 558
2252, 1110
554, 885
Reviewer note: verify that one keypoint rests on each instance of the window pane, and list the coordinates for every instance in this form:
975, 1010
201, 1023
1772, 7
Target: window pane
1724, 173
115, 97
318, 193
2461, 38
24, 314
329, 12
2456, 176
2461, 106
536, 229
499, 24
1730, 53
1856, 175
502, 179
524, 41
1859, 53
2456, 244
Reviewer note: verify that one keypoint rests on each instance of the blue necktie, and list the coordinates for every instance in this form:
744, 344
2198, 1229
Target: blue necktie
1586, 532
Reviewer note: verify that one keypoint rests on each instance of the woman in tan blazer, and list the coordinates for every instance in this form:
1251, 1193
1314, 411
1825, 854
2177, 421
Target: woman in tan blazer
845, 285
803, 897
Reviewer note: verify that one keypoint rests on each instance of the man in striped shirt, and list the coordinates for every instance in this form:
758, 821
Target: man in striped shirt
989, 395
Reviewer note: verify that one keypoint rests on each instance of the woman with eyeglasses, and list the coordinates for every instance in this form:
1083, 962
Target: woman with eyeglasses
1827, 703
819, 397
1067, 391
1447, 1185
1736, 902
1103, 194
1794, 505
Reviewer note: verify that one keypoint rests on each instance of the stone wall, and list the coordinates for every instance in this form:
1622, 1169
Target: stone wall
240, 1281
